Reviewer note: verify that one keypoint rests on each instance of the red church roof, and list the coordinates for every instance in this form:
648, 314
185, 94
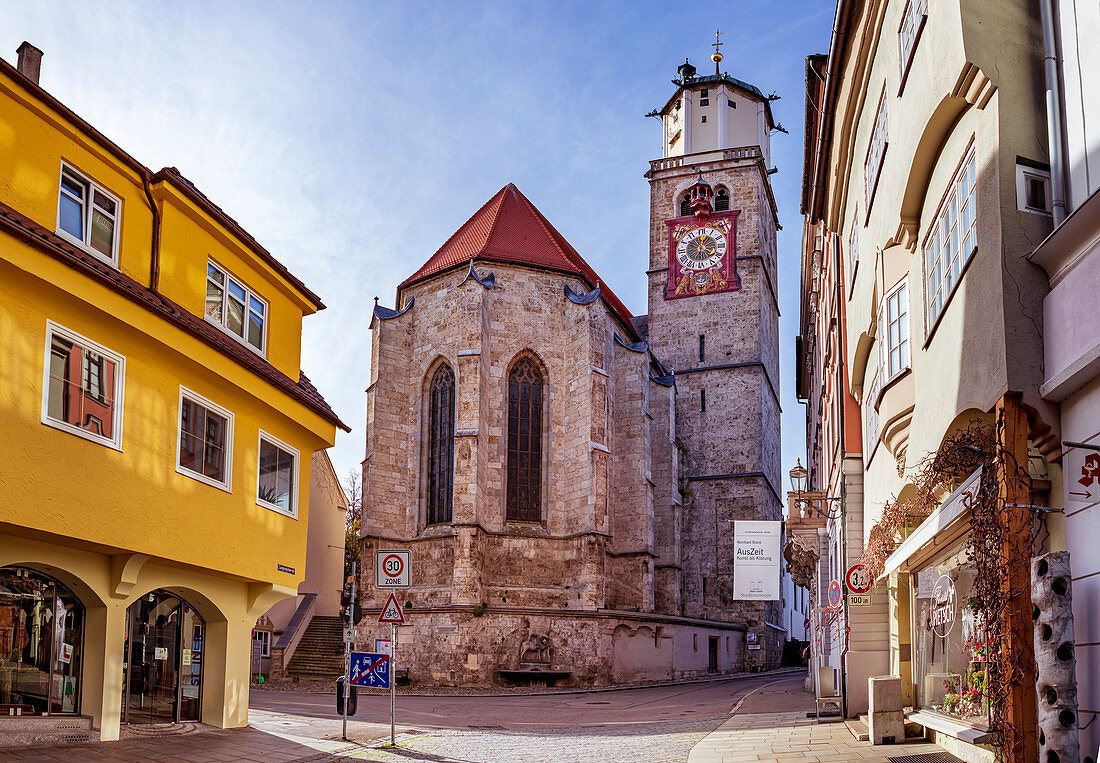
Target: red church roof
509, 229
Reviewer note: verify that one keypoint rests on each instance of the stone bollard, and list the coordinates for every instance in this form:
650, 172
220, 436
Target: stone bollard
885, 723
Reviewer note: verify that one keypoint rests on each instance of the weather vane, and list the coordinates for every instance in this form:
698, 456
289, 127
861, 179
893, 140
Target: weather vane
716, 57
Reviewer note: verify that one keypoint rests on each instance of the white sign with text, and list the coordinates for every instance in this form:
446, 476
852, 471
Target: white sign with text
756, 560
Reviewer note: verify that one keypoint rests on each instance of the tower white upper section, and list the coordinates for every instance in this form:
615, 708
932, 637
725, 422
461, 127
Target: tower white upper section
713, 113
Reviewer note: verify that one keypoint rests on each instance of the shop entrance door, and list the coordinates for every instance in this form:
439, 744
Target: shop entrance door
164, 653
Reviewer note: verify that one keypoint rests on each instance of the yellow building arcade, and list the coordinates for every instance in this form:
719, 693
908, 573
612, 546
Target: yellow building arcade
157, 431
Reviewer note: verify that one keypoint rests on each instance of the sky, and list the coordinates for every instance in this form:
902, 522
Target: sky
353, 138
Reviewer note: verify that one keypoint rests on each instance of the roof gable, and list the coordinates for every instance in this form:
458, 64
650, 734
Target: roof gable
510, 229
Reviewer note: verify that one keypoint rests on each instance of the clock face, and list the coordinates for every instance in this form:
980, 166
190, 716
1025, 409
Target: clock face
701, 248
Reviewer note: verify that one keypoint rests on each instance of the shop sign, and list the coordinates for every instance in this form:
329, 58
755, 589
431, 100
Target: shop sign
941, 615
66, 652
756, 560
160, 653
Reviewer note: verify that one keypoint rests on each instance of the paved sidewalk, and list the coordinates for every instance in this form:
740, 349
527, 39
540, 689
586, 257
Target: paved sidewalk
770, 724
792, 736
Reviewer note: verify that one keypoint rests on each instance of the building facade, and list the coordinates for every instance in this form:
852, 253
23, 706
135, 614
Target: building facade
1070, 257
920, 212
152, 351
567, 475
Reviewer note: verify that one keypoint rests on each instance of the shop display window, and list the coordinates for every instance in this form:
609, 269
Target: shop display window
41, 630
953, 656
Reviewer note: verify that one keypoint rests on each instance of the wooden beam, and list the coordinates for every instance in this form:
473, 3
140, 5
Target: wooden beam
1021, 734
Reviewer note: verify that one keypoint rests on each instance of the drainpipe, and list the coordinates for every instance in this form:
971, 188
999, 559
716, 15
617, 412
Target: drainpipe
841, 344
1055, 113
154, 260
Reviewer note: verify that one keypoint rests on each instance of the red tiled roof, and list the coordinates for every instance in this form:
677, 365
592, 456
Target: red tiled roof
302, 390
510, 229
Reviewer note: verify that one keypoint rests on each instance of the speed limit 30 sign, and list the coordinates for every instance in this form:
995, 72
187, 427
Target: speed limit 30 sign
391, 568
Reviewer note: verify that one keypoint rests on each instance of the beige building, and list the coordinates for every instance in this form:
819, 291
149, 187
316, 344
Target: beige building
921, 144
566, 475
314, 613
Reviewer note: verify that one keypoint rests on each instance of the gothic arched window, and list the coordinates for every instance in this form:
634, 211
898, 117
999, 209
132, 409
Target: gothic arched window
524, 496
441, 445
721, 200
685, 205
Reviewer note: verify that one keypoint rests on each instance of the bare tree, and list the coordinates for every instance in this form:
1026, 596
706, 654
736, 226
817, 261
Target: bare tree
353, 486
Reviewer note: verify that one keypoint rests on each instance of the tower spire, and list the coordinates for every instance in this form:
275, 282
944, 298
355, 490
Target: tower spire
716, 57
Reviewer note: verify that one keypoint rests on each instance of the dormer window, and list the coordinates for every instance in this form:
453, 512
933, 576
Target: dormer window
235, 308
87, 214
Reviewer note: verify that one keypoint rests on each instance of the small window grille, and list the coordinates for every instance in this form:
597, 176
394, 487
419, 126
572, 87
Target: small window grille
704, 118
732, 103
702, 348
702, 401
704, 93
721, 201
685, 205
704, 102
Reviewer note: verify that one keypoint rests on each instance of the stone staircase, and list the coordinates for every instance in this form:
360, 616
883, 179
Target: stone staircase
28, 730
320, 653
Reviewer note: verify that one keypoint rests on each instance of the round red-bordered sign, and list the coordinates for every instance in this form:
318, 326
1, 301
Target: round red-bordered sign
834, 594
393, 565
859, 579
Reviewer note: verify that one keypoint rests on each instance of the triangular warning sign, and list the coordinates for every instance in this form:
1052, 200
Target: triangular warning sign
391, 613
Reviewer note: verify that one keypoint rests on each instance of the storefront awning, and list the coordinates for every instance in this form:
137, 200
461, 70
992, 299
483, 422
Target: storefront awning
951, 509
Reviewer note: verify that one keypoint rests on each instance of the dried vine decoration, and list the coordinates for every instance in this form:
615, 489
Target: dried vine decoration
933, 479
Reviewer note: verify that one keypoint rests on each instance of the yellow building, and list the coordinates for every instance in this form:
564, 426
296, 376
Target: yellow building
158, 430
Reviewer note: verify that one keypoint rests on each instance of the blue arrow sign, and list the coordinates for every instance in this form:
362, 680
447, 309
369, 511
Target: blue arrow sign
369, 669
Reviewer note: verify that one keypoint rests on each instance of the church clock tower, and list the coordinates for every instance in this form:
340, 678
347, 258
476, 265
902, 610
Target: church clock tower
714, 322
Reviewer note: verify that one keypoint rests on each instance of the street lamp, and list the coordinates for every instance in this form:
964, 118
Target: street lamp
798, 477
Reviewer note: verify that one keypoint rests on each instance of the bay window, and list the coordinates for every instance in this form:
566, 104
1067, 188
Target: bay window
952, 240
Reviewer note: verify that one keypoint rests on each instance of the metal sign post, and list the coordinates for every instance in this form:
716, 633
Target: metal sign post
392, 570
347, 655
393, 682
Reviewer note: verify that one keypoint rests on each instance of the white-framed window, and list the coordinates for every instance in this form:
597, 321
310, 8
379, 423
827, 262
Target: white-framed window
277, 476
952, 240
870, 417
88, 215
876, 151
893, 327
853, 251
912, 24
1032, 190
82, 387
235, 308
263, 638
204, 450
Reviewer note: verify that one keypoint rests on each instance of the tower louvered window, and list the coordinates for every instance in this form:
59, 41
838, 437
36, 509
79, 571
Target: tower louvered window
441, 446
721, 201
685, 205
524, 497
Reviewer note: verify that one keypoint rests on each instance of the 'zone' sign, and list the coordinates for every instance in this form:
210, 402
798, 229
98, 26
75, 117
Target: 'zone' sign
391, 568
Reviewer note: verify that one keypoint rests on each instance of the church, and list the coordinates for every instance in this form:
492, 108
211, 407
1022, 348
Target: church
567, 475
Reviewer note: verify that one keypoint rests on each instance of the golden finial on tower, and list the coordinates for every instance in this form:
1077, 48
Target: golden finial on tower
716, 57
